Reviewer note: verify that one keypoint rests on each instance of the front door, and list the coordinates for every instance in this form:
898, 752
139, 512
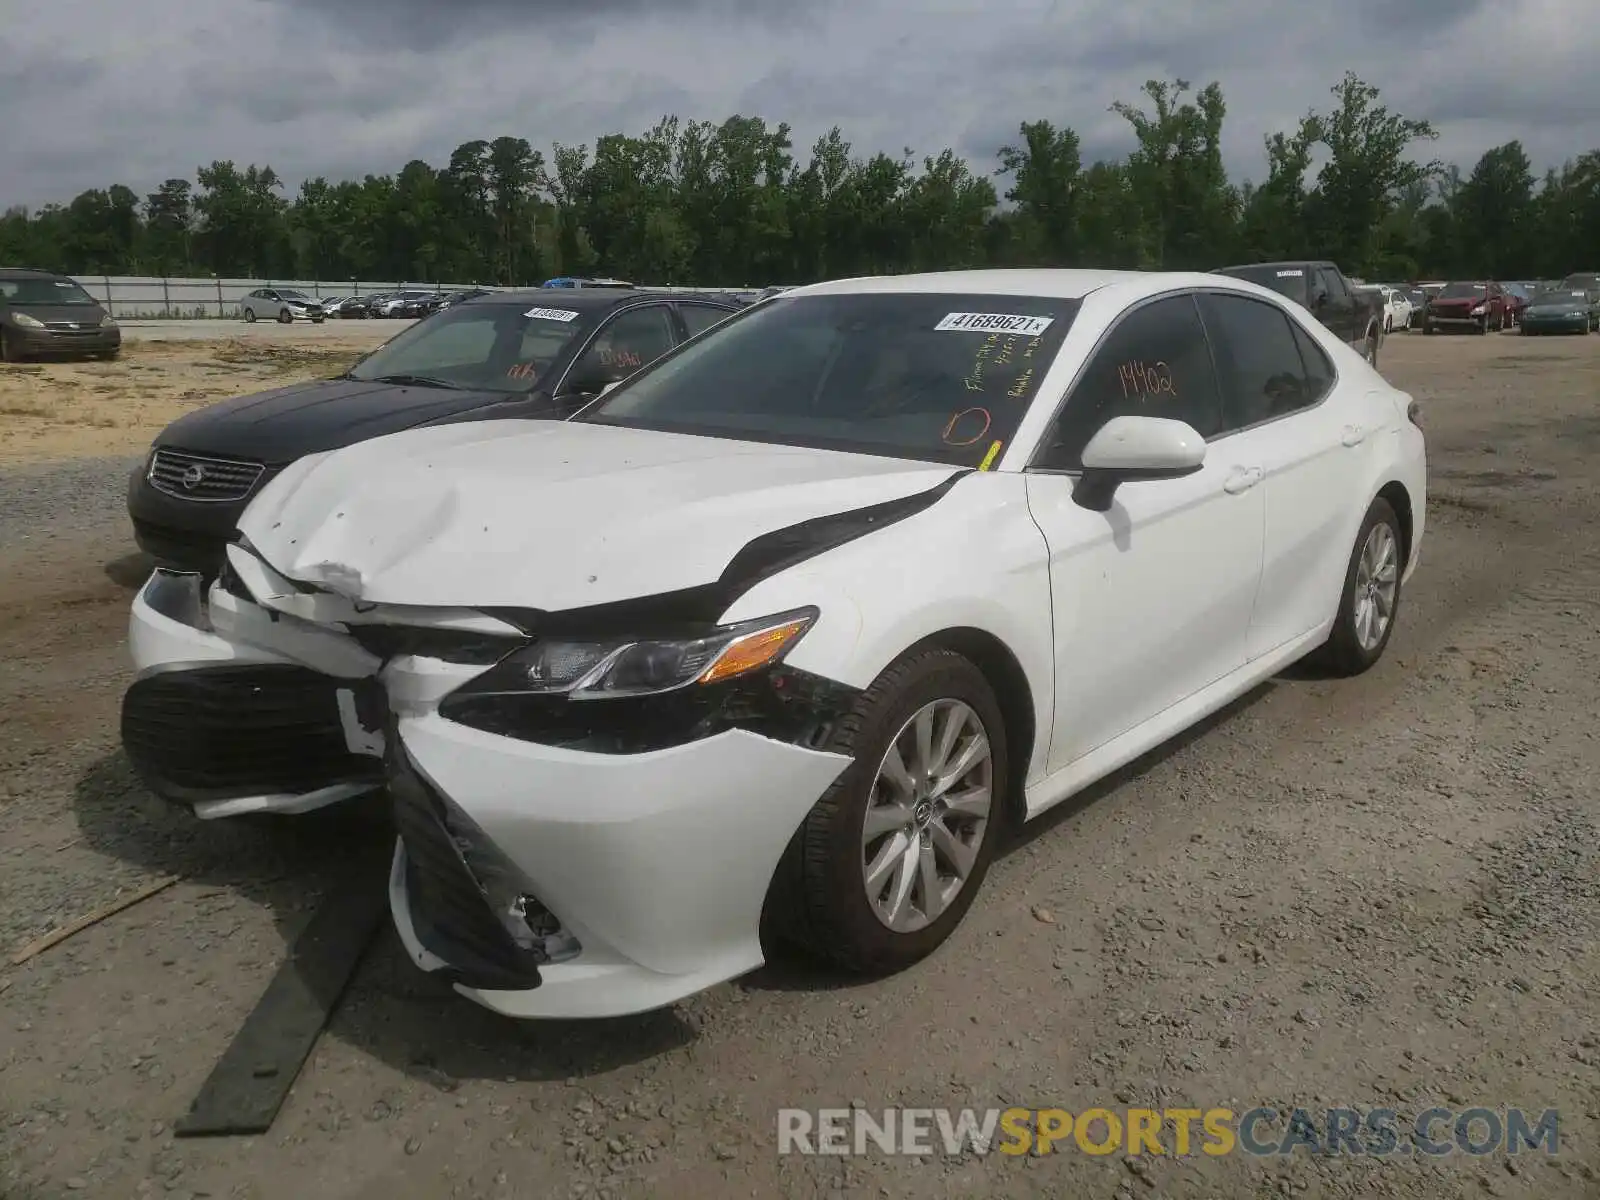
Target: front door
1151, 601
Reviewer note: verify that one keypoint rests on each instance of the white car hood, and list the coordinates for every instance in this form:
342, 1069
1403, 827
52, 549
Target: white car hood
548, 515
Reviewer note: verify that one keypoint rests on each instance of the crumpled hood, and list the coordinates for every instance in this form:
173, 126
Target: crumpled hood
548, 515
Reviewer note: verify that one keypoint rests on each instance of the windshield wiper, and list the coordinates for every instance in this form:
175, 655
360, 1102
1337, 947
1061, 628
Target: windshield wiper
416, 381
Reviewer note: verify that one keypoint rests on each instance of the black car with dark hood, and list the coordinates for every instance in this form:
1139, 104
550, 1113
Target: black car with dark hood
503, 355
42, 313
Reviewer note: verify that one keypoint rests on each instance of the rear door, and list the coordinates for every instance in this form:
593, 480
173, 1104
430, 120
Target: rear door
1282, 401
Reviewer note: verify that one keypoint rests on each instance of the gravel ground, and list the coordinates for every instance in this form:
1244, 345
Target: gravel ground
269, 331
1379, 892
62, 500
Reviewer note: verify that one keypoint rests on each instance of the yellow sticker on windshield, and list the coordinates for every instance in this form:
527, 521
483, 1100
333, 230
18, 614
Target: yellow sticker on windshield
988, 459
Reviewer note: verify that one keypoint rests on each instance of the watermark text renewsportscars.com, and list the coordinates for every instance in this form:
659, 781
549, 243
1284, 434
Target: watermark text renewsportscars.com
1260, 1132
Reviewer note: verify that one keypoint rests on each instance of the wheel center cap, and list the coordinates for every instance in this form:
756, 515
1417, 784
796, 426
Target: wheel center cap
922, 813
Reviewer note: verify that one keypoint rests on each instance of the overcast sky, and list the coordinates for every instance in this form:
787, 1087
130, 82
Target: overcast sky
96, 93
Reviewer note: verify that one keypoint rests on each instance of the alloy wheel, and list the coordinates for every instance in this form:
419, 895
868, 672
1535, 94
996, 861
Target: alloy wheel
1377, 581
930, 803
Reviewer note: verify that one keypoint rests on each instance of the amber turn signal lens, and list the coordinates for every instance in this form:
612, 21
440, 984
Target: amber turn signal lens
754, 650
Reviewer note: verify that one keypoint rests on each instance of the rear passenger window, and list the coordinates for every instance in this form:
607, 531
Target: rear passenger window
1153, 363
699, 317
1259, 366
1318, 366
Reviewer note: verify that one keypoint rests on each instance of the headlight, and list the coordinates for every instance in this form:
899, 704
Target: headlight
108, 322
26, 321
602, 670
1479, 311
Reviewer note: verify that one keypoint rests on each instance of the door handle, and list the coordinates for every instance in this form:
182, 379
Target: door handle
1353, 435
1242, 479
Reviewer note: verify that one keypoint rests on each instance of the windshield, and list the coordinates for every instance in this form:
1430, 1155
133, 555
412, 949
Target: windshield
1565, 297
38, 292
1462, 291
481, 347
1588, 283
942, 378
291, 294
1286, 281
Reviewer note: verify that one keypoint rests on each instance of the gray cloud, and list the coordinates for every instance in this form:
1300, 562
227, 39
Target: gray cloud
135, 94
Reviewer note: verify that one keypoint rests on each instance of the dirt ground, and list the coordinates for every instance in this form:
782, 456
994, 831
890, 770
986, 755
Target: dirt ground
1381, 892
52, 410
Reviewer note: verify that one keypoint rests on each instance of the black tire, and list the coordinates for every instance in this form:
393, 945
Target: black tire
8, 352
285, 317
818, 901
1343, 653
1371, 353
249, 316
1388, 325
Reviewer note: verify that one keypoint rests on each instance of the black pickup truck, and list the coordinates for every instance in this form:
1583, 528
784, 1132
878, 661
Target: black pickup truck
1356, 316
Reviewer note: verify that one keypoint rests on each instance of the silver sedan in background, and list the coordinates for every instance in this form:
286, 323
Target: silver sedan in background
284, 305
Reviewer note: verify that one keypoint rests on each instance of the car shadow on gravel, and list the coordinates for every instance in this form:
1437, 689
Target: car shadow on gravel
391, 1010
131, 570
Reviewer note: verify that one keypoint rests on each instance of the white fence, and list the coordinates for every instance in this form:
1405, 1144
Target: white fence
128, 297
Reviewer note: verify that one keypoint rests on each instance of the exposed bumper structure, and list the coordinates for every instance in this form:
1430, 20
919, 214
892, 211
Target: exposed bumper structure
541, 881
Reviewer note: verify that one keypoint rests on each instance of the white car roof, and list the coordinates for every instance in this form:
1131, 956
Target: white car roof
1055, 283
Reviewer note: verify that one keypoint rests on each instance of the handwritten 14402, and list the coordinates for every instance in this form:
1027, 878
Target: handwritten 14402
1142, 380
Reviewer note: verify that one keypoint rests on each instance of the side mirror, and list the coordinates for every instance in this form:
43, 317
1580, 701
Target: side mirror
1319, 299
1133, 449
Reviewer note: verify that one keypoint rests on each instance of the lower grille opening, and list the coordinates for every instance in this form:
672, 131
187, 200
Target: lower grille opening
217, 733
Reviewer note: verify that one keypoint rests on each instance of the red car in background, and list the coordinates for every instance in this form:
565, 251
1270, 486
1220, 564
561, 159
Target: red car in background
1478, 307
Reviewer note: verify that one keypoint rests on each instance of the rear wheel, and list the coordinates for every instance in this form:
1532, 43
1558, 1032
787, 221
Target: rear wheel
1370, 599
889, 860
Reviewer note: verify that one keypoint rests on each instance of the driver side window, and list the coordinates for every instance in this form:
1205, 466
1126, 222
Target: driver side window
1154, 363
632, 340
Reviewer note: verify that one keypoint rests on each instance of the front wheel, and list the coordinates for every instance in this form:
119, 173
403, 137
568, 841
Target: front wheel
249, 316
1370, 600
285, 317
890, 858
1371, 352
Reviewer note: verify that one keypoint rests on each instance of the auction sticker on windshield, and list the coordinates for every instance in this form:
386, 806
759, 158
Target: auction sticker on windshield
995, 323
551, 314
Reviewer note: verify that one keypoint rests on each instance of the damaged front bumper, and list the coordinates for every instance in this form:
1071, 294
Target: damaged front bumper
540, 880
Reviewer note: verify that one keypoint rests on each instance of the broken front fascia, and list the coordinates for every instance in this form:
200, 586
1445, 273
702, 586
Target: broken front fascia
257, 632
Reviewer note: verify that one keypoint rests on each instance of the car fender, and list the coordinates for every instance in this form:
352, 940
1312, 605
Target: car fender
974, 561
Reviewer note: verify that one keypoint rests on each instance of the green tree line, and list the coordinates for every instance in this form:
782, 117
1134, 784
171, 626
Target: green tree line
732, 204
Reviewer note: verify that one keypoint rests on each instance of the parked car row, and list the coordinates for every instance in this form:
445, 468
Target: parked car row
677, 632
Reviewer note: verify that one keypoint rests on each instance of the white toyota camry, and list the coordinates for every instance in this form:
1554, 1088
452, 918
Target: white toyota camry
775, 639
